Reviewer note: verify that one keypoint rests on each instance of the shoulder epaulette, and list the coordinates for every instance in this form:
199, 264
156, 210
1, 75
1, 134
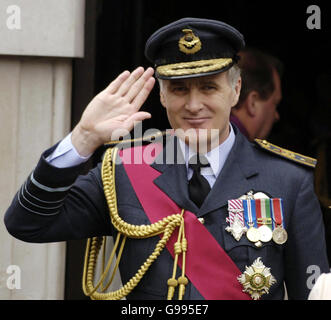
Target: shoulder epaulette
146, 139
296, 157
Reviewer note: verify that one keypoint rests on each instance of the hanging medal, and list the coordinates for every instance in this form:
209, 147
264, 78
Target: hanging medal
250, 220
236, 219
279, 234
264, 221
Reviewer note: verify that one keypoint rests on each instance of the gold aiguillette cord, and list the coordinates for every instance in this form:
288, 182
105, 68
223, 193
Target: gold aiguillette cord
179, 247
165, 226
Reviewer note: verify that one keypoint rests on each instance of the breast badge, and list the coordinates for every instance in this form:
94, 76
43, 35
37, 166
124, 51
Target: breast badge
257, 279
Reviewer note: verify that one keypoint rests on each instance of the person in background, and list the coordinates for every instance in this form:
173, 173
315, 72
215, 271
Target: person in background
321, 145
256, 111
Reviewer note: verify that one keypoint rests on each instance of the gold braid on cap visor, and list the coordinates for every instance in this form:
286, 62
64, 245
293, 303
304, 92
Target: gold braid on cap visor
193, 67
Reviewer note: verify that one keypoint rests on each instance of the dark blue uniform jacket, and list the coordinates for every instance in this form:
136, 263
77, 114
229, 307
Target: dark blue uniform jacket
61, 204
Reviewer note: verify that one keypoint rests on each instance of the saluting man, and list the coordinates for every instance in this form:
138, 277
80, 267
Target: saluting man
226, 219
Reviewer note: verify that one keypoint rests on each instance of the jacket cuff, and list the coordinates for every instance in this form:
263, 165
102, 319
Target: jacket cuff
46, 187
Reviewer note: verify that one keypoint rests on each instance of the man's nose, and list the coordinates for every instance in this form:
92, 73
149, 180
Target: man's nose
193, 102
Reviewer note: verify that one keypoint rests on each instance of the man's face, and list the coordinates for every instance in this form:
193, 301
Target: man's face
267, 113
200, 103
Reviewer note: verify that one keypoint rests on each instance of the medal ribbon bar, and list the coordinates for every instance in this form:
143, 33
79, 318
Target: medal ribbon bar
235, 208
250, 213
263, 213
277, 212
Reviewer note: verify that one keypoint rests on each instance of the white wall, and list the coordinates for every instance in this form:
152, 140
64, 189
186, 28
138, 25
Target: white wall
35, 108
35, 103
42, 27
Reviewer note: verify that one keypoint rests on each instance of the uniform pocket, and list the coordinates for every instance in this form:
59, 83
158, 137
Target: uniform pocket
244, 252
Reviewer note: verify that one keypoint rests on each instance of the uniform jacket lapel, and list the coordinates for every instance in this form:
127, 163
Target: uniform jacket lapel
235, 178
173, 180
232, 182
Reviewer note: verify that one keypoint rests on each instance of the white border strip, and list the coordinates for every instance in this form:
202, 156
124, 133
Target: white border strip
48, 189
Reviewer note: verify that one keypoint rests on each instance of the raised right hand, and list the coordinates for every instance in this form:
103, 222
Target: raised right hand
113, 110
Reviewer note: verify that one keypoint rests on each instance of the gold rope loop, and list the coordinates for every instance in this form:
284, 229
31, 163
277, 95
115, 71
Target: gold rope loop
165, 226
178, 248
184, 245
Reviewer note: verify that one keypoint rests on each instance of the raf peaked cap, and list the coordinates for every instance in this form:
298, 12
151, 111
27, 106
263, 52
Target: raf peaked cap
193, 47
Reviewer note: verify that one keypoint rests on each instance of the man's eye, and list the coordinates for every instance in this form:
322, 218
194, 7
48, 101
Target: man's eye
179, 89
208, 87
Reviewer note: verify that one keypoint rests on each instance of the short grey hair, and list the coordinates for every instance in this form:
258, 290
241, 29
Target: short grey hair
233, 75
160, 84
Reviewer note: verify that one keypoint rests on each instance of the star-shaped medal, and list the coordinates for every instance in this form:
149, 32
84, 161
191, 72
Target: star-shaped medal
257, 279
236, 229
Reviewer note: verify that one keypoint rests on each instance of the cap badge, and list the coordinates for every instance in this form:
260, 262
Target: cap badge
257, 279
189, 43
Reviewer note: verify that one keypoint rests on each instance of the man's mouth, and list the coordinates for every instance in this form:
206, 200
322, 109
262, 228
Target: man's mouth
196, 121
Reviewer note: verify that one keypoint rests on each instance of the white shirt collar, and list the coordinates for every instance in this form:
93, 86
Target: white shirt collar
216, 157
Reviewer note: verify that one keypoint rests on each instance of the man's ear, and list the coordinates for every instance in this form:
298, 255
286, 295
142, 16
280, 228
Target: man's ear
237, 89
162, 98
251, 103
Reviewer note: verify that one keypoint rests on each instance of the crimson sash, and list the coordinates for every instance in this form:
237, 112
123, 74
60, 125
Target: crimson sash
208, 266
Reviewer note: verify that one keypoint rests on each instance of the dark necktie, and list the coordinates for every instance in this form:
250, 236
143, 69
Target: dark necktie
198, 186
